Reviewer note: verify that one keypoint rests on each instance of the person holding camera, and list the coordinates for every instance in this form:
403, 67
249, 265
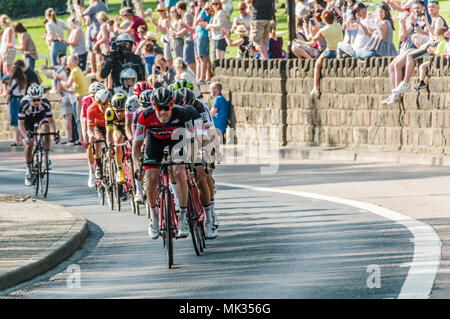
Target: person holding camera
121, 57
162, 74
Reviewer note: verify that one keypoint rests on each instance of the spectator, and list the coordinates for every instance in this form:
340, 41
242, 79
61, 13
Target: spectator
162, 74
349, 26
437, 21
55, 35
26, 45
363, 34
175, 33
162, 26
80, 84
7, 45
275, 45
301, 7
242, 43
101, 46
262, 14
30, 74
170, 3
202, 45
242, 19
409, 24
299, 48
76, 42
128, 14
141, 31
67, 95
16, 90
227, 6
435, 46
381, 42
90, 13
332, 32
220, 20
220, 108
187, 30
184, 72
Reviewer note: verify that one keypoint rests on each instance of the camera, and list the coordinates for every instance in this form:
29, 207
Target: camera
114, 51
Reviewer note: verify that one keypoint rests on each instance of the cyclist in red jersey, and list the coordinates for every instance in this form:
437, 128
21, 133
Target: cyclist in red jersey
96, 124
85, 102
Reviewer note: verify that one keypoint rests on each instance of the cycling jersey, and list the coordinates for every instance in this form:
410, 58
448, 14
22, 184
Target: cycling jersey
32, 115
159, 135
96, 118
85, 102
131, 106
113, 121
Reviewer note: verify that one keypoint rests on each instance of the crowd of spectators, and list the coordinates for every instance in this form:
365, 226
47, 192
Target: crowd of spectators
190, 34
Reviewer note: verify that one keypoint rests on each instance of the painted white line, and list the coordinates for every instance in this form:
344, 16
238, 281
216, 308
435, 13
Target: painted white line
427, 245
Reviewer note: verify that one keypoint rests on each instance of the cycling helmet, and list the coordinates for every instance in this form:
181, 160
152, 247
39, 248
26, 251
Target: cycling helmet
162, 97
128, 77
179, 98
94, 87
125, 43
189, 96
35, 91
102, 96
145, 99
140, 87
118, 101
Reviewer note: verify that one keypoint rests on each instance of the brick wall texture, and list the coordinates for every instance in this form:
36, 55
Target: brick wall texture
273, 96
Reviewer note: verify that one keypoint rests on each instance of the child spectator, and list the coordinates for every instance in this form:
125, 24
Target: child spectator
275, 45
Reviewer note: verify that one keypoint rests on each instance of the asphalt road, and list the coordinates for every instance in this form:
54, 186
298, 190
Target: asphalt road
270, 245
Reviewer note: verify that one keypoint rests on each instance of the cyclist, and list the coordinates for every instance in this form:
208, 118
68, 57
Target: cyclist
200, 174
35, 108
128, 78
96, 124
86, 101
115, 131
157, 125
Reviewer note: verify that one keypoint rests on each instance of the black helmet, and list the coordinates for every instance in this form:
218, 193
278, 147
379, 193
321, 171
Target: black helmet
162, 97
145, 98
118, 101
189, 96
179, 98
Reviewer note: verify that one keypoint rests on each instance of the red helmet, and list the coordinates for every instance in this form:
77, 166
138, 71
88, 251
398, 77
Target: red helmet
140, 87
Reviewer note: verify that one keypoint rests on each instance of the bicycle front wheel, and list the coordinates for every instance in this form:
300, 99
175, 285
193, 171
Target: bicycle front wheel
44, 174
168, 227
36, 171
192, 222
107, 183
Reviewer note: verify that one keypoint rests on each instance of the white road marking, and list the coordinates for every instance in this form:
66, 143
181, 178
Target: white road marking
427, 245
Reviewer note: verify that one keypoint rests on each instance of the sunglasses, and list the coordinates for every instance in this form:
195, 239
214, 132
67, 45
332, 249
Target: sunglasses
36, 100
216, 4
104, 104
166, 108
241, 9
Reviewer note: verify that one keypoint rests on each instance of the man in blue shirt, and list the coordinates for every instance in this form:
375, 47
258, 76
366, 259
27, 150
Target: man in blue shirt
220, 109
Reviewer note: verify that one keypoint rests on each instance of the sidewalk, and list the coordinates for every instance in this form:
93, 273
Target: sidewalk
35, 236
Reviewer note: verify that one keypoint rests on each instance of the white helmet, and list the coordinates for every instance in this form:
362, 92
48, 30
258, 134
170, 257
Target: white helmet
94, 87
35, 91
125, 37
103, 96
130, 75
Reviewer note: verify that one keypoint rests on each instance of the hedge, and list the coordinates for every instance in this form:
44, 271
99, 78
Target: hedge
29, 8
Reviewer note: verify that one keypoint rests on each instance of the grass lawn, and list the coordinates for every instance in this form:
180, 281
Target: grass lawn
35, 26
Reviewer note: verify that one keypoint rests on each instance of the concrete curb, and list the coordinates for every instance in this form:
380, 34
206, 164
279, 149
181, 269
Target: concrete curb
49, 258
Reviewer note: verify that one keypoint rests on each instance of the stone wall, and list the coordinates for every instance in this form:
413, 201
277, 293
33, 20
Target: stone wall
274, 96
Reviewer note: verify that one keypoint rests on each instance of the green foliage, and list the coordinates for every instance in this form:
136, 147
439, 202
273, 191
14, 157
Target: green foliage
26, 8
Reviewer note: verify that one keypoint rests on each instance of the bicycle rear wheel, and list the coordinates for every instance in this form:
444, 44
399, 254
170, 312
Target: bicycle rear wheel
36, 172
44, 174
107, 183
130, 186
167, 227
101, 194
192, 222
116, 187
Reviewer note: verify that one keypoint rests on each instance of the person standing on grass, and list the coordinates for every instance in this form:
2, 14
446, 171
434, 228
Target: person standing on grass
262, 14
220, 20
76, 42
26, 45
93, 27
55, 35
187, 31
16, 91
202, 44
7, 45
